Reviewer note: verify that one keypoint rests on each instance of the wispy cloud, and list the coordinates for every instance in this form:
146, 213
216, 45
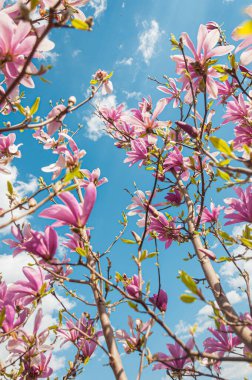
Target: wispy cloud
148, 39
76, 53
125, 61
132, 94
99, 6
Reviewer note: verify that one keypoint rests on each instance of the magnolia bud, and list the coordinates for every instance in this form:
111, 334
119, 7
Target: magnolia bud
32, 202
71, 101
191, 131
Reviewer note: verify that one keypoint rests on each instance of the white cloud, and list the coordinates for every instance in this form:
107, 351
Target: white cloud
76, 52
99, 6
50, 57
148, 39
202, 320
133, 94
125, 61
236, 371
95, 126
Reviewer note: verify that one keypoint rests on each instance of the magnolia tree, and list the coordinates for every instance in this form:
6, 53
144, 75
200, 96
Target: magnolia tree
187, 161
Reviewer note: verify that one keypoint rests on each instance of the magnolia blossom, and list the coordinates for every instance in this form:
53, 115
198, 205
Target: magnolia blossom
16, 43
55, 113
134, 341
92, 177
172, 90
175, 161
175, 198
178, 360
166, 230
27, 344
208, 216
30, 289
72, 213
138, 152
8, 150
82, 333
160, 300
198, 64
42, 245
67, 158
239, 210
103, 77
134, 287
224, 340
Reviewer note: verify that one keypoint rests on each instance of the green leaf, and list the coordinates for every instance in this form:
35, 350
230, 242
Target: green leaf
10, 188
35, 106
34, 3
80, 24
2, 316
187, 298
223, 259
221, 145
93, 81
132, 305
127, 241
188, 281
20, 108
81, 251
246, 242
72, 174
223, 175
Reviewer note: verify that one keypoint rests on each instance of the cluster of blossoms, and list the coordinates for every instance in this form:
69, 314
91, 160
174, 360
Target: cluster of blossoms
179, 156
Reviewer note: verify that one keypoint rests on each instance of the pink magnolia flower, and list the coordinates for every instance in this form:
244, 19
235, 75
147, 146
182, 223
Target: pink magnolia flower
224, 340
30, 289
83, 334
72, 213
74, 241
172, 90
67, 159
138, 152
175, 198
145, 122
178, 360
107, 85
210, 216
239, 210
160, 300
92, 177
38, 367
27, 344
8, 150
238, 110
16, 44
166, 230
56, 124
12, 319
42, 245
134, 341
176, 161
134, 287
198, 64
112, 115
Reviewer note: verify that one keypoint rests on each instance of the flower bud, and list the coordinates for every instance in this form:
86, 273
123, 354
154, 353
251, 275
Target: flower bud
191, 131
71, 101
32, 202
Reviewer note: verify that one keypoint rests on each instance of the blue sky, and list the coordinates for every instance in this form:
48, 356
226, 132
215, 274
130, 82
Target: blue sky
121, 42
